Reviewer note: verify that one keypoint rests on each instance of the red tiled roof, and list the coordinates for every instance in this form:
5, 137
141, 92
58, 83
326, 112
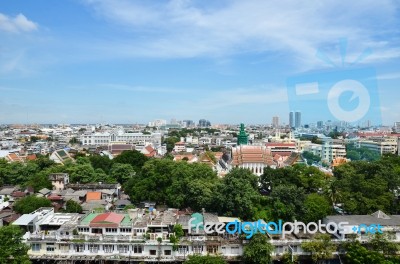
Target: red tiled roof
54, 197
18, 194
31, 157
107, 220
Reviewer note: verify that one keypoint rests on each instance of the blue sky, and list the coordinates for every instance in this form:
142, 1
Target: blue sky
91, 61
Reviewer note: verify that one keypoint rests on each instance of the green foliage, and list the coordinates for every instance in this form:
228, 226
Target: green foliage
132, 157
316, 207
321, 247
238, 194
258, 250
167, 182
197, 259
380, 243
366, 187
362, 153
357, 254
101, 162
30, 203
170, 142
122, 172
13, 250
311, 158
73, 207
178, 230
287, 202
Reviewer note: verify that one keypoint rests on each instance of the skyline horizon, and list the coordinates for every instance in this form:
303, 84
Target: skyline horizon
124, 61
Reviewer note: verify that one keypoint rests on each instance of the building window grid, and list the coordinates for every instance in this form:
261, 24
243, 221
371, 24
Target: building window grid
108, 248
123, 248
36, 247
137, 249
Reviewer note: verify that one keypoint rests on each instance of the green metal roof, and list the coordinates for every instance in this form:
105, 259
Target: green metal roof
89, 218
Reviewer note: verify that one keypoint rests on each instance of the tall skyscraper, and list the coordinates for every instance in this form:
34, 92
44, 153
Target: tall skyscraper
297, 122
320, 124
275, 121
291, 119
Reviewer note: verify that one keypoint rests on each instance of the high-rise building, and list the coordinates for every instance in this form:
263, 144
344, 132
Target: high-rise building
320, 124
291, 119
204, 123
397, 127
275, 121
297, 121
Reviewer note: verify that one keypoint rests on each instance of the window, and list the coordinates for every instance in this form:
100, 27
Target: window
36, 247
153, 252
197, 249
235, 250
50, 247
123, 248
125, 230
64, 247
212, 249
108, 248
167, 252
111, 230
79, 247
93, 248
137, 249
183, 249
83, 229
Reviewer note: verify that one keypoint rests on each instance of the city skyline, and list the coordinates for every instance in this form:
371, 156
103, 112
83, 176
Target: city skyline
84, 61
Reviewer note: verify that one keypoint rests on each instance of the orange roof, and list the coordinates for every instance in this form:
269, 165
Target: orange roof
31, 157
252, 154
92, 196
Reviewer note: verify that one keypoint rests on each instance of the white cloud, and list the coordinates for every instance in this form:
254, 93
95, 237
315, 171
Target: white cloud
183, 28
17, 24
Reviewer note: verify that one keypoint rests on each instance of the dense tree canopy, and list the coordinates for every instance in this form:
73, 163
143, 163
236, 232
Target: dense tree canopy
258, 250
13, 250
30, 203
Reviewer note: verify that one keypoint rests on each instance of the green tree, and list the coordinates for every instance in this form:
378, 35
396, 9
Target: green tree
132, 157
287, 202
258, 250
380, 243
30, 203
73, 207
311, 158
316, 207
122, 172
238, 195
101, 162
357, 254
13, 250
321, 247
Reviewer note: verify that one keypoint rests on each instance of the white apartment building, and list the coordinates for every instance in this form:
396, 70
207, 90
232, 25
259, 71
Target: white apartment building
137, 235
105, 138
327, 151
382, 145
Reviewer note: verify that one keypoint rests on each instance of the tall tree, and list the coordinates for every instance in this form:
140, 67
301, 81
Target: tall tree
321, 247
258, 250
13, 250
132, 157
